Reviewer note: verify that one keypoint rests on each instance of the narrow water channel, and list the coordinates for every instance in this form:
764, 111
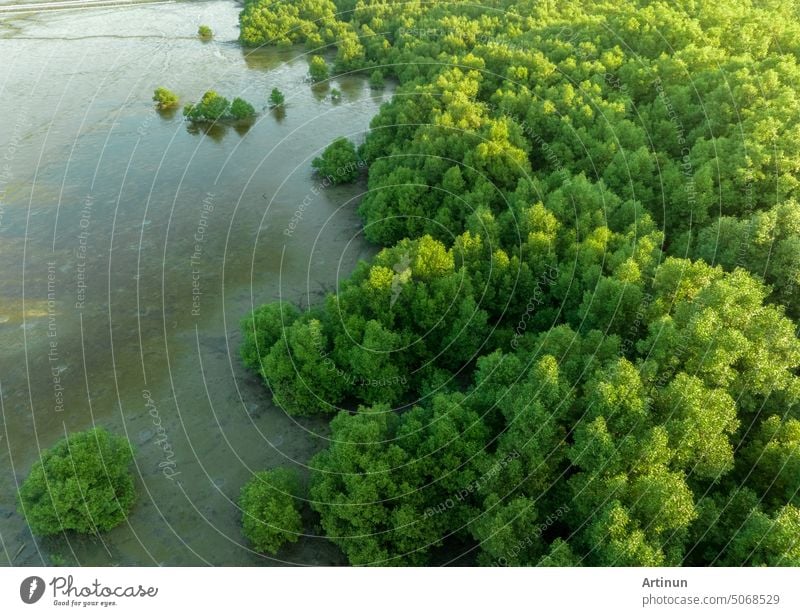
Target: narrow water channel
131, 245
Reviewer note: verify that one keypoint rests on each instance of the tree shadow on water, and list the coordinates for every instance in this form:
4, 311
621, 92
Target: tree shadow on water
215, 131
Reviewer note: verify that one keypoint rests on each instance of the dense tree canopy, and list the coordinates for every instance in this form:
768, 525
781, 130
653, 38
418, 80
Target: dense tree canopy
83, 484
276, 98
270, 513
576, 345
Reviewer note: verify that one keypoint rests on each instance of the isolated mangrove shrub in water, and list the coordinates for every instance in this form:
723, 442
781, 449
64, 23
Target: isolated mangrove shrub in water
339, 162
82, 484
241, 109
165, 99
276, 98
270, 516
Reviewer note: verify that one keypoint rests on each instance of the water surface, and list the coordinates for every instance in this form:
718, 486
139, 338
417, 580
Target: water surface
132, 245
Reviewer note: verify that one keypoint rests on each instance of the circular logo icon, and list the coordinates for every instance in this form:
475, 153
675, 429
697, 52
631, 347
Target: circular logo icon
31, 589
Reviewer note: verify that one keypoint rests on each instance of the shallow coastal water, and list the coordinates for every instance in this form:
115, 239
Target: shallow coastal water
131, 245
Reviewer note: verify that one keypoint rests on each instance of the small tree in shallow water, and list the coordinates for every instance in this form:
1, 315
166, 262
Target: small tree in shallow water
276, 98
165, 99
241, 109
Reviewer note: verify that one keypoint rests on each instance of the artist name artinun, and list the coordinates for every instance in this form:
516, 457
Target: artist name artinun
664, 583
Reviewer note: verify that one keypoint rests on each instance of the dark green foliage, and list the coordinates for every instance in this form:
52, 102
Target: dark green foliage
767, 244
302, 378
262, 329
376, 79
771, 461
83, 484
339, 162
241, 109
385, 487
767, 540
276, 98
270, 516
560, 555
590, 269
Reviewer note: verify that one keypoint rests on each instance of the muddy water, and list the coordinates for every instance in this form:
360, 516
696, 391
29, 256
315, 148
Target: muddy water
132, 245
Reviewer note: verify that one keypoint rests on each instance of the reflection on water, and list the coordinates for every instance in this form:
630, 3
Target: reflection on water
132, 245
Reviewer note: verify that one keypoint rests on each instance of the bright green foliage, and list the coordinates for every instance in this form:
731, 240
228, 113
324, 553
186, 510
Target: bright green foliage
591, 246
614, 539
241, 109
318, 69
620, 453
717, 328
211, 107
339, 162
270, 516
284, 23
83, 484
205, 32
276, 98
699, 422
165, 99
